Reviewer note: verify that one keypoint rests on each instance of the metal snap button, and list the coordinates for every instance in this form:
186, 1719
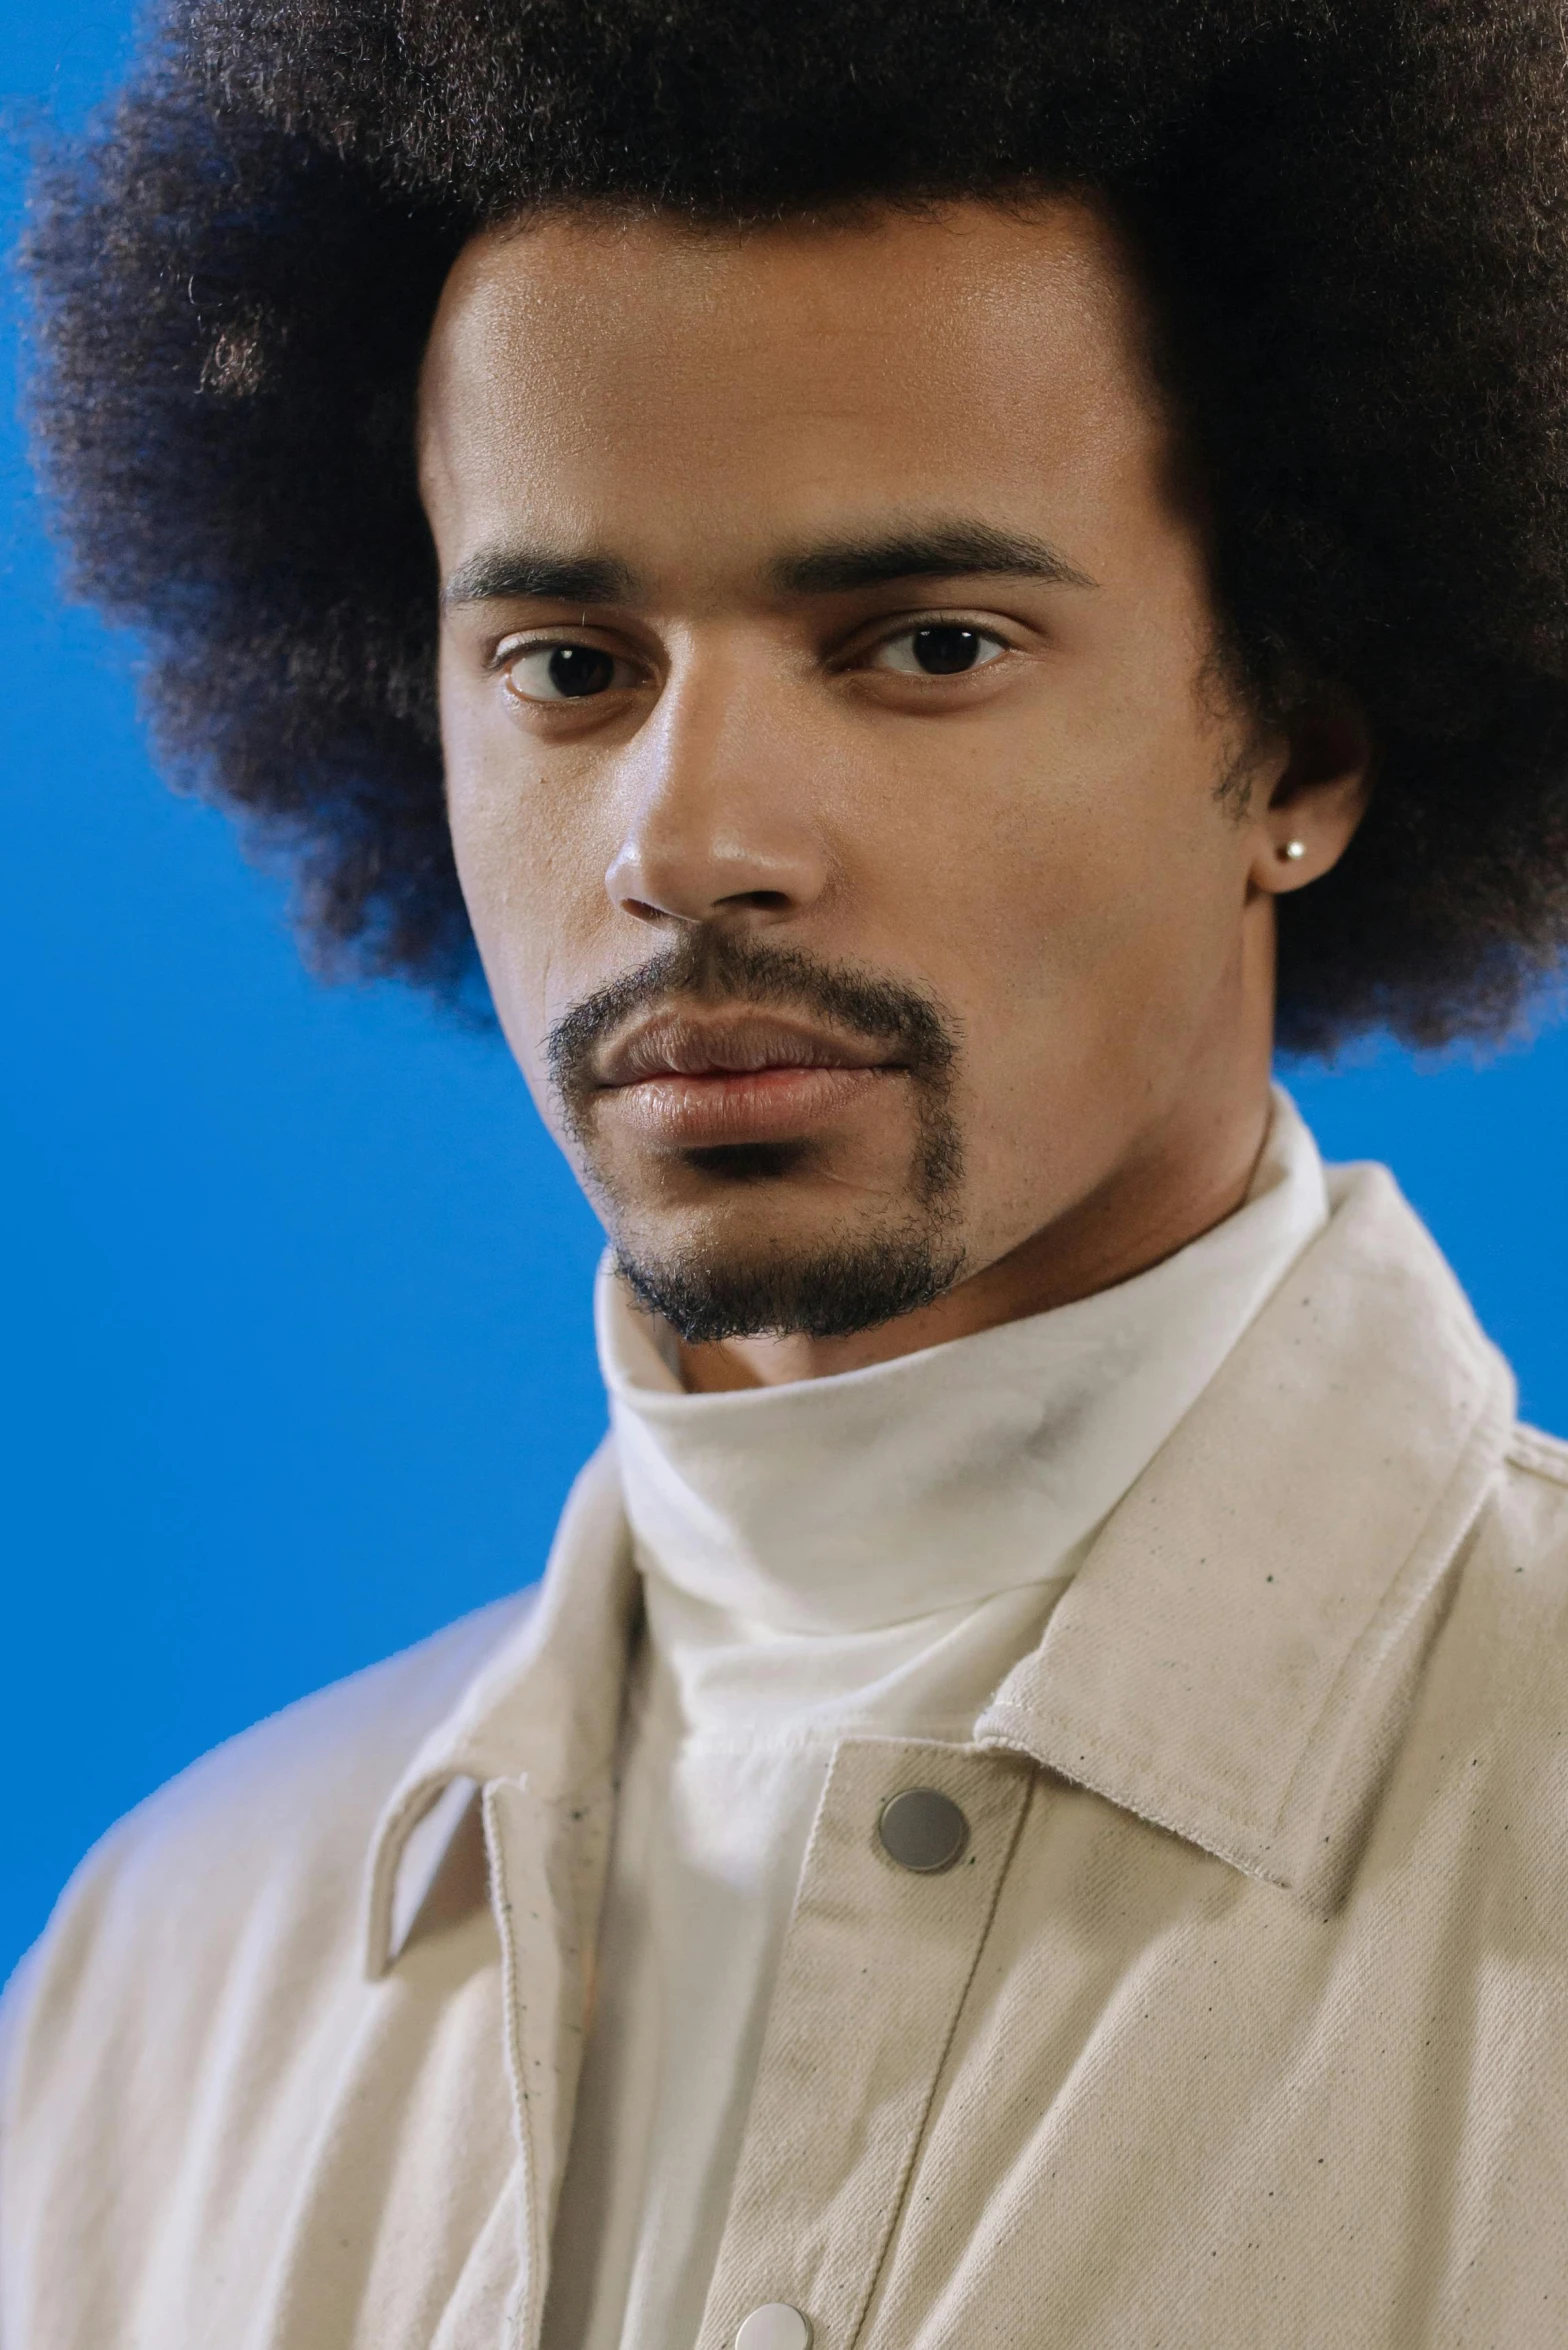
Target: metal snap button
775, 2326
924, 1830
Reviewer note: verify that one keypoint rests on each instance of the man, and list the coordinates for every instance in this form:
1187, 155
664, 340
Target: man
979, 553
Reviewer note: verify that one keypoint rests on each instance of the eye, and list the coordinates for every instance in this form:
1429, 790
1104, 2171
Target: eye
940, 648
563, 673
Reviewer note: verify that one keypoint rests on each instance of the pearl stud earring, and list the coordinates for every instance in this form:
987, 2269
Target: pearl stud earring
1294, 849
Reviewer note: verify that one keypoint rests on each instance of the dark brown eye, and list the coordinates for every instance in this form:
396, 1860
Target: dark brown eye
942, 652
564, 673
942, 648
581, 669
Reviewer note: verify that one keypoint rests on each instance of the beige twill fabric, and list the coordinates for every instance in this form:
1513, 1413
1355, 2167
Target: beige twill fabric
1243, 2022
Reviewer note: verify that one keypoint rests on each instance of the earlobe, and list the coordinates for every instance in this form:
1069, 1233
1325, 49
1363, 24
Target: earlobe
1319, 799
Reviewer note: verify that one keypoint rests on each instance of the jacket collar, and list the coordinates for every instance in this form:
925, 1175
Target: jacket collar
544, 1708
1233, 1658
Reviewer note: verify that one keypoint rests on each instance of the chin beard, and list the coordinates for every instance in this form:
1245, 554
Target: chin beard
845, 1285
831, 1294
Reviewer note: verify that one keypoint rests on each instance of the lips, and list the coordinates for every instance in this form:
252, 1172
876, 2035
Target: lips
693, 1082
684, 1046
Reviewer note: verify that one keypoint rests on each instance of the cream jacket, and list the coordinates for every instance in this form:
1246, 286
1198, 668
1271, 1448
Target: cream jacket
1242, 2026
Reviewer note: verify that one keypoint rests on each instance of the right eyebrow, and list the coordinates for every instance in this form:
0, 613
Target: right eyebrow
515, 574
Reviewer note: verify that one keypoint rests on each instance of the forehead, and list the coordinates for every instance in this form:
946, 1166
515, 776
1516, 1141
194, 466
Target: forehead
609, 375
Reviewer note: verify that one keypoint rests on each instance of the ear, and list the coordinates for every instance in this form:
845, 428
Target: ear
1304, 823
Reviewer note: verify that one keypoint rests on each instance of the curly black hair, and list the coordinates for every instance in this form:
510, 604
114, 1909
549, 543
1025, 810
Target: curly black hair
1353, 215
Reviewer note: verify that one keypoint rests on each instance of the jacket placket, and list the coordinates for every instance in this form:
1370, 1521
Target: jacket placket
548, 1860
874, 1969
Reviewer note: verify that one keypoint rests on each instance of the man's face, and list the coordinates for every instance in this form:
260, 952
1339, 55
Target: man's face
833, 741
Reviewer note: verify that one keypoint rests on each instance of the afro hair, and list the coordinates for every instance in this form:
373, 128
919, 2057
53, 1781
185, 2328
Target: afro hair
1353, 217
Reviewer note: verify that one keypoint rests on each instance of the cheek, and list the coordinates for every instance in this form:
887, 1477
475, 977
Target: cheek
1059, 861
526, 859
1084, 900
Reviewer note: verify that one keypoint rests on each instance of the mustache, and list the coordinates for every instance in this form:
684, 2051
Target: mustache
718, 967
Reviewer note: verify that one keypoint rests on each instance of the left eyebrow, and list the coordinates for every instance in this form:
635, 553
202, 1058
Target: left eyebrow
938, 551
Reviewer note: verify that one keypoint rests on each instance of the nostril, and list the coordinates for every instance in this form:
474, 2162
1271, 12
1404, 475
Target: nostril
765, 901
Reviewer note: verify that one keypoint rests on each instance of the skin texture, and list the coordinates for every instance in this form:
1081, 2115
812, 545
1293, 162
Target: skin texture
1071, 851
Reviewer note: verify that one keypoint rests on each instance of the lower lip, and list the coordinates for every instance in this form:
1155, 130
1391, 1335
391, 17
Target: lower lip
728, 1105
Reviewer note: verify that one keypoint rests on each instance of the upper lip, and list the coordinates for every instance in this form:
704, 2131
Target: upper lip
695, 1044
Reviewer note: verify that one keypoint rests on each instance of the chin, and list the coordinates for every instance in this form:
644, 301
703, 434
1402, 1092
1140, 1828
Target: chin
709, 1289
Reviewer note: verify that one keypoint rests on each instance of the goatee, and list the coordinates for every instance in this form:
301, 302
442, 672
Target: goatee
851, 1284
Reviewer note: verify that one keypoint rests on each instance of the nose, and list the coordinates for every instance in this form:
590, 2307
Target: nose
720, 822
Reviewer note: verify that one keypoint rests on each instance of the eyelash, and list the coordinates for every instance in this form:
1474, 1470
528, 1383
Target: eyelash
932, 621
509, 653
512, 649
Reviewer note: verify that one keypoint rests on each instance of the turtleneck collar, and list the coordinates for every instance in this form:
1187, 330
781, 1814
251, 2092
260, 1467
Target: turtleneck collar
946, 1476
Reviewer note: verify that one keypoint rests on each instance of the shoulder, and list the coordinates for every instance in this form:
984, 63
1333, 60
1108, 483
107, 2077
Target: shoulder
317, 1771
1536, 1454
343, 1746
168, 2049
1529, 1511
265, 1838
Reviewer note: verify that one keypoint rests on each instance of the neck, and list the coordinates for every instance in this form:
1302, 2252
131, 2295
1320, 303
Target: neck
1180, 1179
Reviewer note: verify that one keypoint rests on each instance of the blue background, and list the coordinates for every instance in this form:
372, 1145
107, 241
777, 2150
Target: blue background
297, 1361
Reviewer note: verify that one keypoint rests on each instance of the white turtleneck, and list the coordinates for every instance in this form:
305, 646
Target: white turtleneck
869, 1553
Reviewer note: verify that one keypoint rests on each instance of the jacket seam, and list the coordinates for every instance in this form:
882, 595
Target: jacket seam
1540, 1455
